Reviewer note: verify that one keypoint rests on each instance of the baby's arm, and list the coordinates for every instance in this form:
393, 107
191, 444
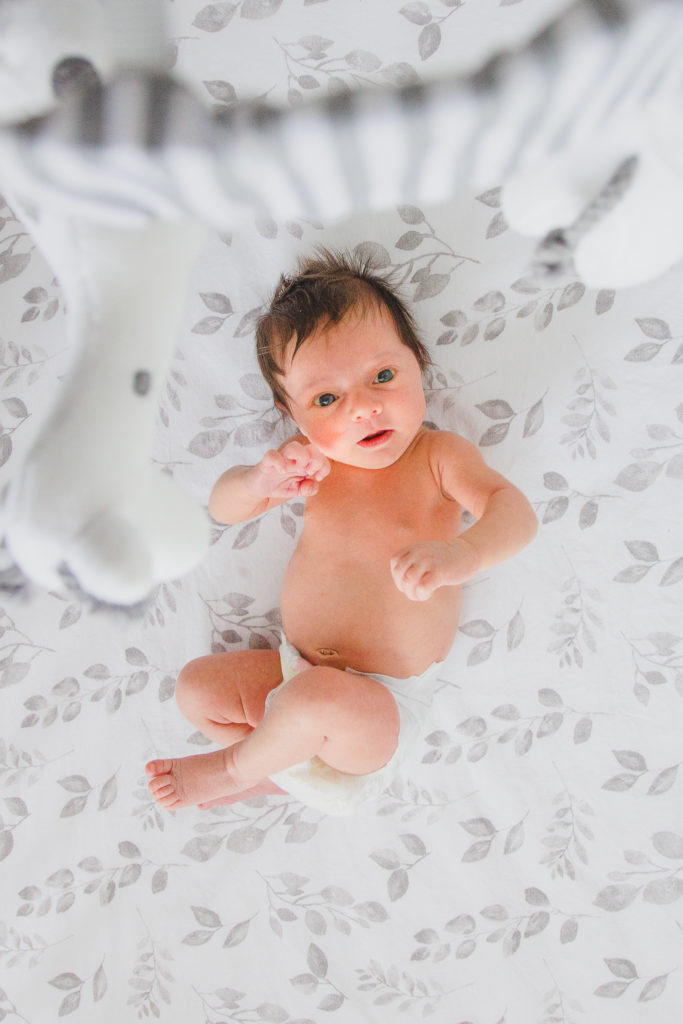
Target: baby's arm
506, 523
244, 492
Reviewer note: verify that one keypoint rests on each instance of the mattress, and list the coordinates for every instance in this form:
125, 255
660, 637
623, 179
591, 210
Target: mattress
527, 864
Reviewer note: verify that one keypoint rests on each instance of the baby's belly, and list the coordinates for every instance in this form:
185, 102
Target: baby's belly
355, 617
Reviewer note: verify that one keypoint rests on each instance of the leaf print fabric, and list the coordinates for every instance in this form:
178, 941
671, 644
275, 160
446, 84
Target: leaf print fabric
536, 838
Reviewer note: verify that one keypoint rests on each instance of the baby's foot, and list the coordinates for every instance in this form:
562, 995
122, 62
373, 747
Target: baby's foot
200, 778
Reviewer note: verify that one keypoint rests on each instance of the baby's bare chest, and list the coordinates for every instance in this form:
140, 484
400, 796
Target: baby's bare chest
378, 517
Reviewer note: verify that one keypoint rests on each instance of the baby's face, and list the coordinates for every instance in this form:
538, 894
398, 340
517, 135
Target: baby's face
356, 390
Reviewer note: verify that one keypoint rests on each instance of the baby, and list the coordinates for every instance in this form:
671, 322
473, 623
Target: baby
371, 598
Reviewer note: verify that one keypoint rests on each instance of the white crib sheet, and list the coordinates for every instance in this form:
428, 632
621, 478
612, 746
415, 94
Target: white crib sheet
528, 868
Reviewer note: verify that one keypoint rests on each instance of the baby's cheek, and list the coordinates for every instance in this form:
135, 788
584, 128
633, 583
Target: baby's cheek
324, 438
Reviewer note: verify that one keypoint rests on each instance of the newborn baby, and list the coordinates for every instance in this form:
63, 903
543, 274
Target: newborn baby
371, 598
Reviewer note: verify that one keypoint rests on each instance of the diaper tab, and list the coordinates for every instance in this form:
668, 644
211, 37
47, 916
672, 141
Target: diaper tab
291, 661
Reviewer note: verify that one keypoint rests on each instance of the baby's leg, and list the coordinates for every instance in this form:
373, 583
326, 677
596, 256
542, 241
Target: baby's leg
202, 779
350, 722
224, 695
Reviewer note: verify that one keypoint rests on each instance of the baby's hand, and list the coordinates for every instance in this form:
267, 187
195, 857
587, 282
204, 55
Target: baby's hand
422, 568
294, 471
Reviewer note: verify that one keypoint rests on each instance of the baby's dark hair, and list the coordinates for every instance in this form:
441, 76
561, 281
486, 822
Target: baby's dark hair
324, 289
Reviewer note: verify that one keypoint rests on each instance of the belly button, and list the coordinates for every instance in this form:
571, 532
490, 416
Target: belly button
326, 652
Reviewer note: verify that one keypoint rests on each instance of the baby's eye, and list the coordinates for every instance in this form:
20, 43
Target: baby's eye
324, 400
384, 376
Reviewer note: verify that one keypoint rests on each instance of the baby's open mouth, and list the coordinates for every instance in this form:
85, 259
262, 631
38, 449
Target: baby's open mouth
377, 438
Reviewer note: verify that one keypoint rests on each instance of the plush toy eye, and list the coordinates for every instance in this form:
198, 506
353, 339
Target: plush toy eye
142, 381
384, 376
324, 400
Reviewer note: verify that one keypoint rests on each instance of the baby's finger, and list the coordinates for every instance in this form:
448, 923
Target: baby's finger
316, 465
322, 469
296, 453
412, 571
275, 462
424, 588
420, 588
401, 560
413, 580
308, 487
396, 569
401, 576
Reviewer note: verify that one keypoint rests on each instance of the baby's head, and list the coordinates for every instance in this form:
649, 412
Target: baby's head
326, 289
340, 352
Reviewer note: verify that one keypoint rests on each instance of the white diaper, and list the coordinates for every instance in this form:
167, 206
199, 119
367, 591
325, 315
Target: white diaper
314, 783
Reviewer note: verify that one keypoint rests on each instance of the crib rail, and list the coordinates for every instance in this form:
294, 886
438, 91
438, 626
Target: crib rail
141, 144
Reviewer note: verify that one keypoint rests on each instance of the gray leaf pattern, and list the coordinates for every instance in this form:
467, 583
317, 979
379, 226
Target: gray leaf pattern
540, 812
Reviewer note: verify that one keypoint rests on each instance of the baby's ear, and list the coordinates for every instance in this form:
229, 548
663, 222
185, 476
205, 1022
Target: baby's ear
284, 412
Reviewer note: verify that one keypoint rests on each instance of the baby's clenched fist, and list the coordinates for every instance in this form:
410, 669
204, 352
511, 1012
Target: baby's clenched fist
422, 568
294, 471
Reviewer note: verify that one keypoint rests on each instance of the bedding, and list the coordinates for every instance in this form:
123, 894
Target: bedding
527, 866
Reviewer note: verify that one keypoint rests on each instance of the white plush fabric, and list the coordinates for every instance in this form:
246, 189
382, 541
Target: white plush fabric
86, 499
634, 79
526, 867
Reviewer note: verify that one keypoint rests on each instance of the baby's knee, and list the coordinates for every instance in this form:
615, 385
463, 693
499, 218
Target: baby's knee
189, 685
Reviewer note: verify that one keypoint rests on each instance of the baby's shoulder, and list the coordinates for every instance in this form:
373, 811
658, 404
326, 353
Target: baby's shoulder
453, 461
444, 443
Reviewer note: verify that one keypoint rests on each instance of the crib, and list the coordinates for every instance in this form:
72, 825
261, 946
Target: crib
527, 867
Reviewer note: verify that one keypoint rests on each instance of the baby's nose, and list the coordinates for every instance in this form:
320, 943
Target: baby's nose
365, 404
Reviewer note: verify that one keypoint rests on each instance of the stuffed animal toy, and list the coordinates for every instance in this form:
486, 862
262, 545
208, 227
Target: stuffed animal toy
128, 168
606, 199
86, 509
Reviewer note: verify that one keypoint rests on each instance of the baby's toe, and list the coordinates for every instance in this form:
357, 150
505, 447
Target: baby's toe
164, 792
162, 788
161, 767
168, 801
